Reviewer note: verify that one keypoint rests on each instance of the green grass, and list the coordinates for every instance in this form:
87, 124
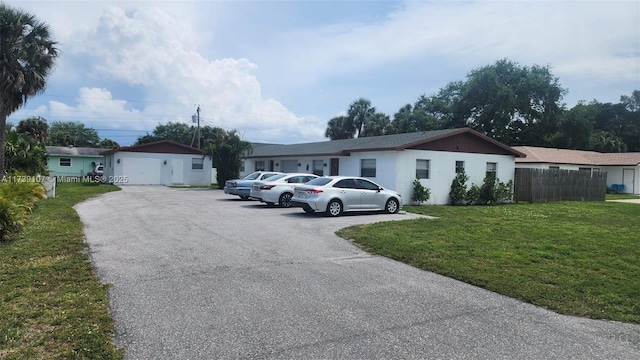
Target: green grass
621, 196
52, 305
577, 258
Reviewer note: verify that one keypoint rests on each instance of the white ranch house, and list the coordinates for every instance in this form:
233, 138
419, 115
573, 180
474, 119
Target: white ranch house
159, 163
622, 168
394, 161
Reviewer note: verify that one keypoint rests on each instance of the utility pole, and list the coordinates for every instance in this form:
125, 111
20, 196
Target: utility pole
198, 113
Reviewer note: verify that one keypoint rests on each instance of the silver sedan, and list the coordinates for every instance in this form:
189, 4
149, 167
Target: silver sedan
278, 189
337, 194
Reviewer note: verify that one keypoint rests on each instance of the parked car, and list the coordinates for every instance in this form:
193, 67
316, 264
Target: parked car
278, 189
337, 194
97, 172
242, 187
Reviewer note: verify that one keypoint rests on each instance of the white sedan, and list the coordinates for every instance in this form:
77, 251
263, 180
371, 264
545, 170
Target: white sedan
337, 194
279, 188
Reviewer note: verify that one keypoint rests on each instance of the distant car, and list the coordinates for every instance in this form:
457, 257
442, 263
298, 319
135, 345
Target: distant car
337, 194
242, 187
97, 172
278, 189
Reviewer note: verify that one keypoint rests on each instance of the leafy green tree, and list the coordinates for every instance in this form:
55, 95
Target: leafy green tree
65, 133
414, 118
25, 155
108, 144
226, 151
604, 141
576, 126
630, 130
339, 128
179, 132
376, 125
27, 56
34, 127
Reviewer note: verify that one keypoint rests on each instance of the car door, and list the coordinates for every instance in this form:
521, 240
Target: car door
371, 198
349, 194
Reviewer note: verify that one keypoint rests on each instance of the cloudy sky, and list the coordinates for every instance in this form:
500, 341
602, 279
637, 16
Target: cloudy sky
277, 71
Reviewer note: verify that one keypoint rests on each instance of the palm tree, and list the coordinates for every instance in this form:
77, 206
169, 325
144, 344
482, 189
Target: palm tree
226, 150
28, 54
359, 113
339, 127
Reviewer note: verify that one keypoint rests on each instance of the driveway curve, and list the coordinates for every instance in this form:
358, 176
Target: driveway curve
198, 274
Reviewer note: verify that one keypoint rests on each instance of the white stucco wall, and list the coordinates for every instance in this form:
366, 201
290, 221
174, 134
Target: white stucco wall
136, 168
397, 169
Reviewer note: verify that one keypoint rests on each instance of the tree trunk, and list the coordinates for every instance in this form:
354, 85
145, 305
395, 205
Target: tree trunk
3, 140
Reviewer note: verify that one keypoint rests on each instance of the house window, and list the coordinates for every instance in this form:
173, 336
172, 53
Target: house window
65, 162
459, 167
197, 163
492, 168
368, 167
422, 168
260, 165
317, 167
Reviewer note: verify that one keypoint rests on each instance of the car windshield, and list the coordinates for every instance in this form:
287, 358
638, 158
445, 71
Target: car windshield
275, 177
321, 181
252, 176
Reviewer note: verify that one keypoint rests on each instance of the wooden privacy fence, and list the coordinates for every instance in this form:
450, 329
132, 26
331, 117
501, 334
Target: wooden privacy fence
546, 185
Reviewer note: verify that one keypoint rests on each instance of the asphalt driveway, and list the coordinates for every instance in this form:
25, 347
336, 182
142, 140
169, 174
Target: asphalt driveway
198, 274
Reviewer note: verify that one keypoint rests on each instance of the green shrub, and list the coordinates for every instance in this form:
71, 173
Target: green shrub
504, 193
458, 191
488, 189
420, 193
473, 195
17, 200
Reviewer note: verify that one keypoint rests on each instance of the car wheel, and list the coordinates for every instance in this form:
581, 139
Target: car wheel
285, 199
392, 206
334, 208
309, 210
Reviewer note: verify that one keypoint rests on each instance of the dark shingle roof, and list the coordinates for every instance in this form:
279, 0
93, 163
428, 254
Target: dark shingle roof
373, 143
74, 151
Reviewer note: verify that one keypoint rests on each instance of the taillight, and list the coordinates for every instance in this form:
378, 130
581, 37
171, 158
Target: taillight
267, 187
314, 191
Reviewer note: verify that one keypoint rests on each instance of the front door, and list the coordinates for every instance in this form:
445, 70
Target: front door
335, 166
628, 180
177, 171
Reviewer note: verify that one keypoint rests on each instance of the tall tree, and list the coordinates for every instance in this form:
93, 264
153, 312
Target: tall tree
108, 144
24, 154
65, 133
359, 114
226, 151
35, 128
376, 125
338, 128
631, 128
28, 53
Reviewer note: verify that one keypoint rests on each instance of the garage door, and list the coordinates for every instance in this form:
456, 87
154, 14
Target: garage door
141, 171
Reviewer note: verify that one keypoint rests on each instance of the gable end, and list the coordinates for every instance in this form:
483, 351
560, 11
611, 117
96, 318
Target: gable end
464, 142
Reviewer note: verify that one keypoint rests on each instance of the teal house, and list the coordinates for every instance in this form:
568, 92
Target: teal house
73, 161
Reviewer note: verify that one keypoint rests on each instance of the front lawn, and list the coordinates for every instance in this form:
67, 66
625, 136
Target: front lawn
52, 305
577, 258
